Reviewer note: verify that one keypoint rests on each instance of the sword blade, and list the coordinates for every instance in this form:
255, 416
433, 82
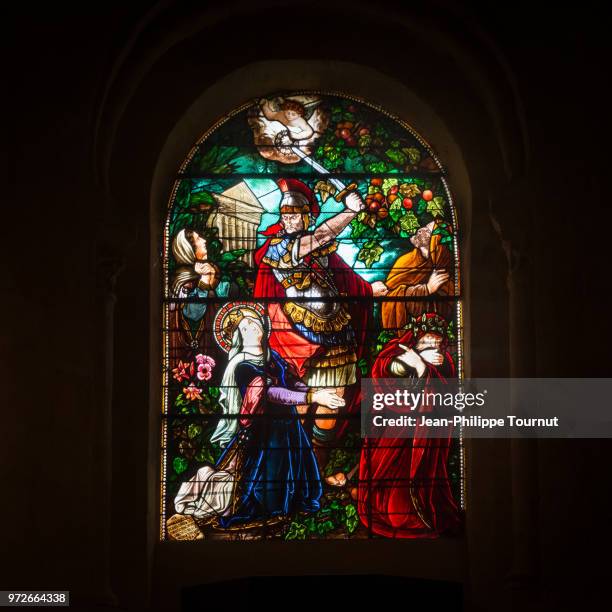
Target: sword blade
319, 168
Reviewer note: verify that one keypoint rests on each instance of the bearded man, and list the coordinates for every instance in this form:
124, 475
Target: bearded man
420, 273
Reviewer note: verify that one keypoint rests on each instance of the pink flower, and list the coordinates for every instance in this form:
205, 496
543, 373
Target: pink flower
205, 359
204, 371
192, 392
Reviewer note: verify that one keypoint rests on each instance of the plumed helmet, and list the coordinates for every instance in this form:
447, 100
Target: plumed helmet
297, 197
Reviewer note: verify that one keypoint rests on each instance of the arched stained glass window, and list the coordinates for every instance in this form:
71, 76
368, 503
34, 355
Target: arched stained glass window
310, 243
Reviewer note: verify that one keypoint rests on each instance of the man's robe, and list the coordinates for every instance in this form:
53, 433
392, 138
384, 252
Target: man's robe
408, 278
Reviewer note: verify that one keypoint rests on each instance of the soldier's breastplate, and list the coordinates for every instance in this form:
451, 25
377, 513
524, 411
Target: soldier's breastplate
315, 298
313, 287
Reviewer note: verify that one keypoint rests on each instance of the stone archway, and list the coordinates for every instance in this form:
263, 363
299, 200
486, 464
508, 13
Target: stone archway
468, 139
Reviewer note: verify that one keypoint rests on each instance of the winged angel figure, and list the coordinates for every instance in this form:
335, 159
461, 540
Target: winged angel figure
279, 124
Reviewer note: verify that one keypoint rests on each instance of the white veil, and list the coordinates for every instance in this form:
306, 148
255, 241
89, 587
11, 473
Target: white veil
210, 492
230, 398
183, 250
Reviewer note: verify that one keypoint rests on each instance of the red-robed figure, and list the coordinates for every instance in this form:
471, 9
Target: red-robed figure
314, 327
404, 488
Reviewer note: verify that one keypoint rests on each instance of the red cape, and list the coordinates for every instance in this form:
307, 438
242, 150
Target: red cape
291, 345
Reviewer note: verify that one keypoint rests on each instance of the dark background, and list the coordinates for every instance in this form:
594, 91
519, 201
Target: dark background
94, 90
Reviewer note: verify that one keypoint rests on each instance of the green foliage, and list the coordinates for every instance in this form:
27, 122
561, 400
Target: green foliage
192, 440
396, 156
340, 460
444, 230
209, 403
214, 392
201, 197
359, 229
396, 210
337, 114
184, 406
331, 155
233, 269
183, 195
231, 256
352, 519
450, 331
365, 142
328, 519
386, 224
194, 430
377, 168
381, 131
370, 253
409, 223
180, 464
388, 183
362, 364
297, 531
217, 160
343, 459
436, 207
359, 140
205, 455
414, 155
381, 340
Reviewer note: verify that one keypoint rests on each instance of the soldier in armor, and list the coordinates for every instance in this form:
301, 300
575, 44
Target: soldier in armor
319, 322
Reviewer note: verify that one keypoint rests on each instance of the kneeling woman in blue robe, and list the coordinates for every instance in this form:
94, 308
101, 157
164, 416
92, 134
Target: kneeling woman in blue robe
268, 468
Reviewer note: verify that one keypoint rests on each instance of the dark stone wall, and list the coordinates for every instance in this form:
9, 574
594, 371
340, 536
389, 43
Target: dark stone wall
94, 92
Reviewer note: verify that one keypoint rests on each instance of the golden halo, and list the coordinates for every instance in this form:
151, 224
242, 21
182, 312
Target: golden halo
228, 317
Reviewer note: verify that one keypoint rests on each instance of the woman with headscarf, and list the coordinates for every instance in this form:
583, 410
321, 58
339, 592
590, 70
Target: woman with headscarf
198, 280
404, 488
268, 468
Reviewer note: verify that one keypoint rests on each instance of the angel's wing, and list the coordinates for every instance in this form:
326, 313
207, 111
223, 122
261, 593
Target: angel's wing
269, 129
319, 120
310, 105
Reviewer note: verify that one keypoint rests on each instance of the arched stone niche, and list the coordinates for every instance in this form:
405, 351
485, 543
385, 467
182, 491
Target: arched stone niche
156, 124
248, 82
